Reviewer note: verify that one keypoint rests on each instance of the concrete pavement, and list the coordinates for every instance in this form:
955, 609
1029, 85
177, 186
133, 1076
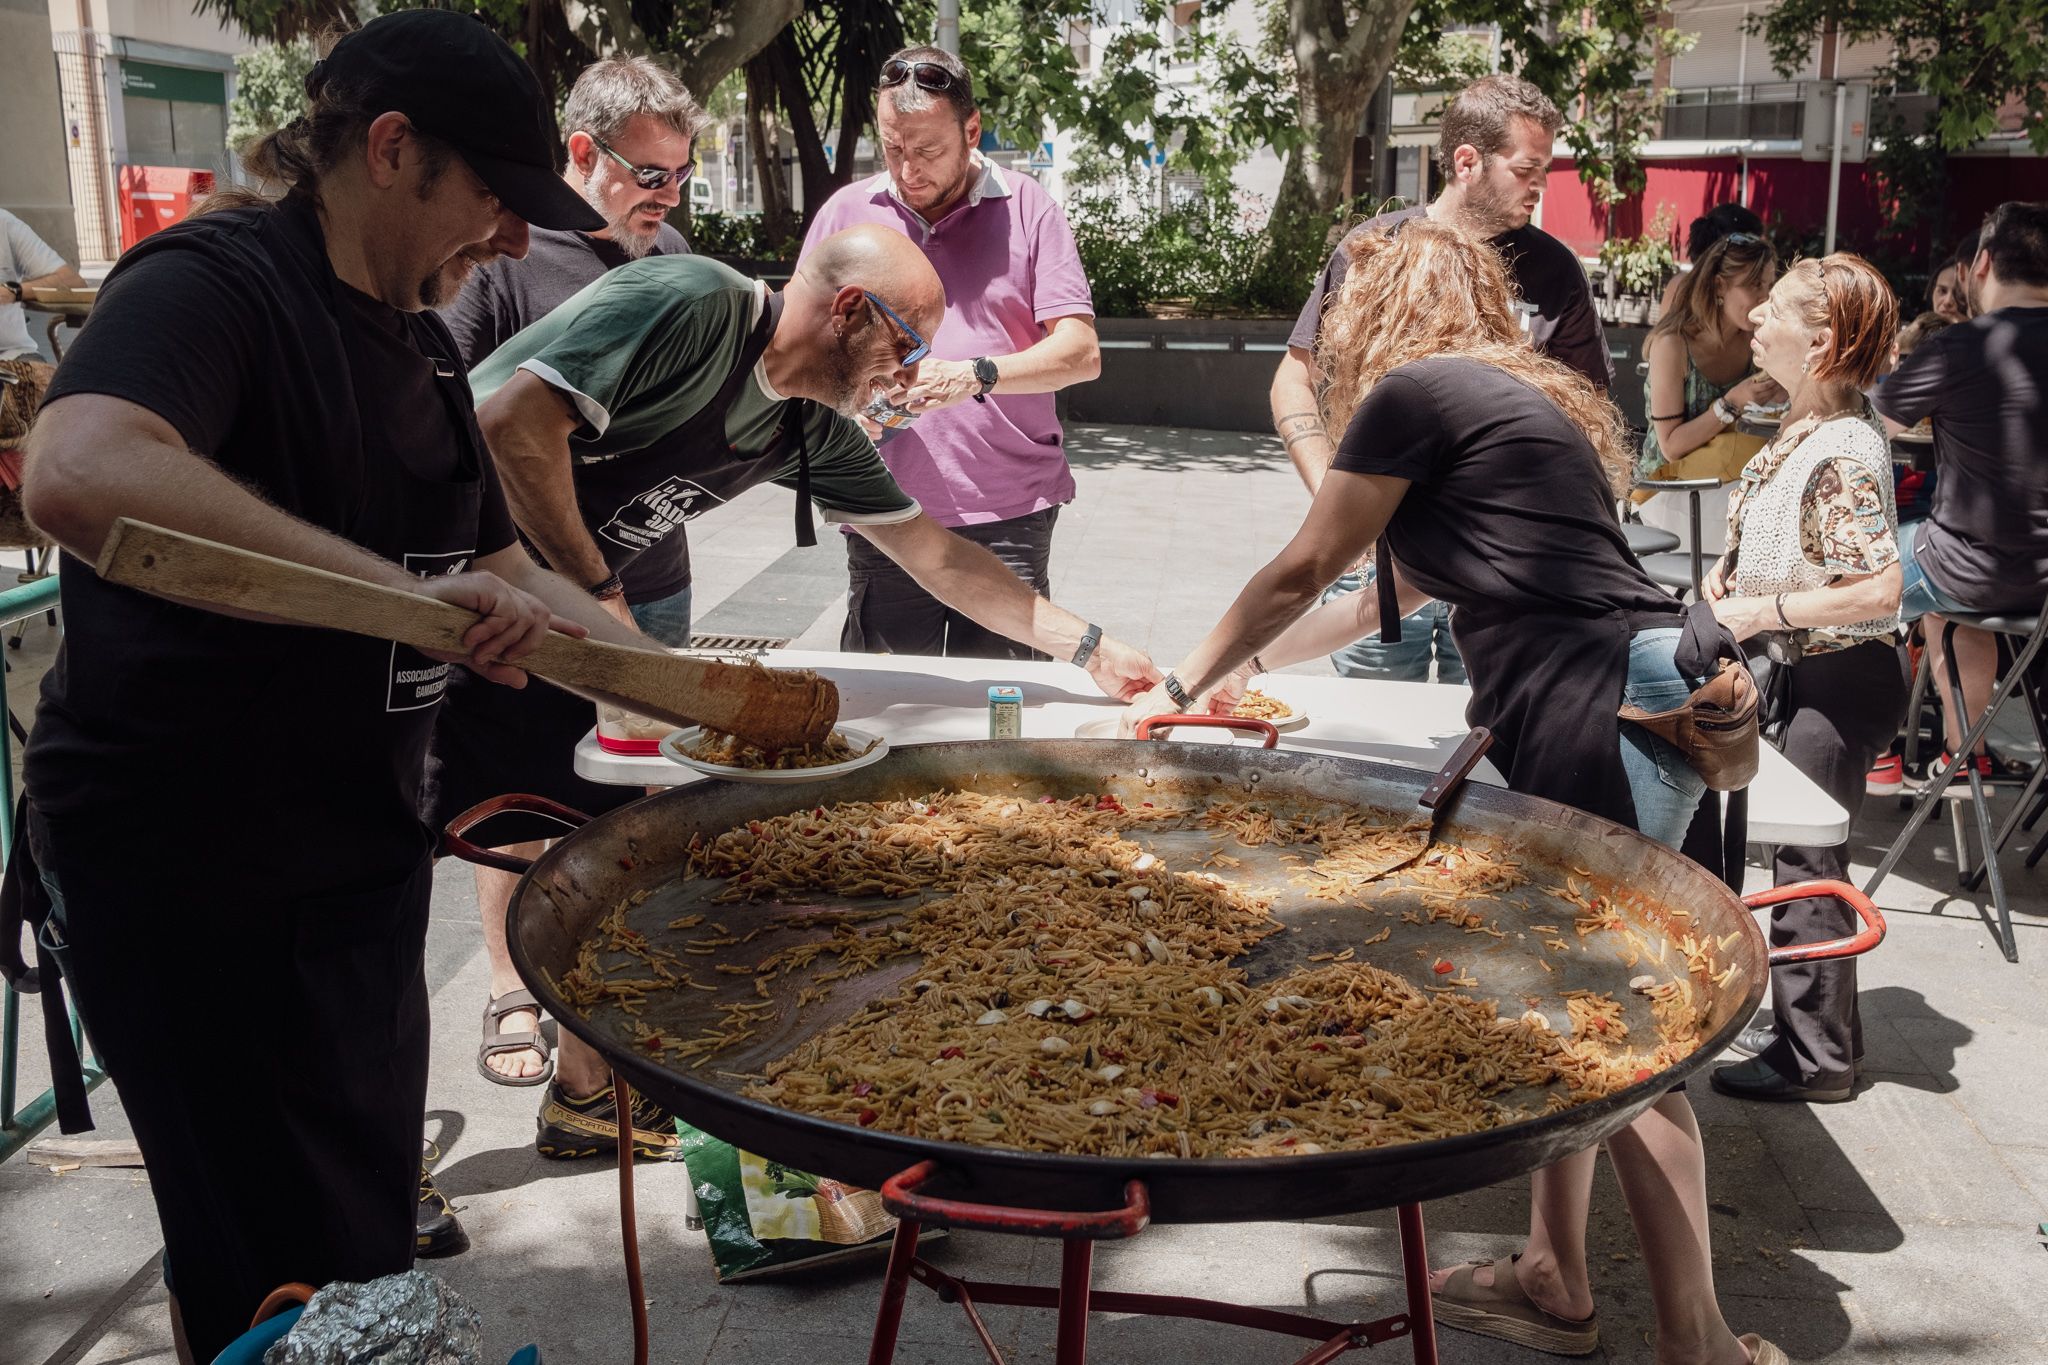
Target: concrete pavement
1898, 1229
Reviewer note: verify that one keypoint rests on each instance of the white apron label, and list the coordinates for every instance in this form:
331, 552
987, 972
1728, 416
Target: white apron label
417, 682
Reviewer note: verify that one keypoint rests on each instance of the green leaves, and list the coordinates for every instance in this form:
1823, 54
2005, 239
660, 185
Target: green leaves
270, 89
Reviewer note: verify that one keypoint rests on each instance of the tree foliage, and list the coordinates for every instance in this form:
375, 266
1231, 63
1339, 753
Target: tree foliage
1973, 56
270, 89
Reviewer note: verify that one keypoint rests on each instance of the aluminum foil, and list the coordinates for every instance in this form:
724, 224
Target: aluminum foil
409, 1319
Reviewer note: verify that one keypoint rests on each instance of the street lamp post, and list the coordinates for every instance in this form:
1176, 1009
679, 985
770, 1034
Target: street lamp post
946, 33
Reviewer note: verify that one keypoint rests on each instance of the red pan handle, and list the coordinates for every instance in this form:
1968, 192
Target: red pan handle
453, 845
1866, 938
900, 1197
1245, 723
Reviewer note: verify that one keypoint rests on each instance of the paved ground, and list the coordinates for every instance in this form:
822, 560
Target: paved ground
1899, 1229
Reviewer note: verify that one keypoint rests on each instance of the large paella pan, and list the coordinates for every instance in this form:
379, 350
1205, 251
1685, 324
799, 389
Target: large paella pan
1590, 908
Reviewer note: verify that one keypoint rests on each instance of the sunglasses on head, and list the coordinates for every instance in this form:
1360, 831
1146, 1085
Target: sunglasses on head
928, 75
1742, 239
649, 177
919, 347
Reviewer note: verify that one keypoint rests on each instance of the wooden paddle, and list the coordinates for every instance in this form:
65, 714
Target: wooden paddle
775, 710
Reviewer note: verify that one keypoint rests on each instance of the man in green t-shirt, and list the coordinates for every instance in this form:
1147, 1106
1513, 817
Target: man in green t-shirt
661, 390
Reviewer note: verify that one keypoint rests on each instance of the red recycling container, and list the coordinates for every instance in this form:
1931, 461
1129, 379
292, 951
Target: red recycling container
154, 197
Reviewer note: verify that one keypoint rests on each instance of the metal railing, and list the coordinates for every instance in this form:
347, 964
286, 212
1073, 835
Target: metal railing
18, 1126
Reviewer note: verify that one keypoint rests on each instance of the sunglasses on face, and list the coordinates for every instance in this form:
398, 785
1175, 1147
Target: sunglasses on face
919, 347
928, 75
649, 177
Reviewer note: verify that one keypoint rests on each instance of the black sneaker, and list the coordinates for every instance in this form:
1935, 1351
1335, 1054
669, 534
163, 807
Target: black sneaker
572, 1128
436, 1230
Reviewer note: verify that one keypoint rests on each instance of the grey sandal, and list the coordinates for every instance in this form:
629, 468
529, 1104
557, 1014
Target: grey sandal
496, 1042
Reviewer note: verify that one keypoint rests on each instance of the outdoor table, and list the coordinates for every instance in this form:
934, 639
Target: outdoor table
911, 699
73, 311
1914, 447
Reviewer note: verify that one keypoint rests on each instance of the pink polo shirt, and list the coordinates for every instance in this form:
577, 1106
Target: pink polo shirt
1008, 263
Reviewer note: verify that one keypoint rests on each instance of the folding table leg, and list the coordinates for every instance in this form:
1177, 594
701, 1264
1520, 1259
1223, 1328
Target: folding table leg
895, 1284
1077, 1255
1415, 1270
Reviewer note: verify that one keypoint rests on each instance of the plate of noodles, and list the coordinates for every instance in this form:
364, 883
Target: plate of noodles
1257, 705
721, 755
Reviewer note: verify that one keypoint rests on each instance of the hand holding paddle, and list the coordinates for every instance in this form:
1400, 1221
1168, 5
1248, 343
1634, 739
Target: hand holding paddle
774, 710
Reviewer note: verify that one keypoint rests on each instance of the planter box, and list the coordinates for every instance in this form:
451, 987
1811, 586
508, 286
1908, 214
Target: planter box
1212, 373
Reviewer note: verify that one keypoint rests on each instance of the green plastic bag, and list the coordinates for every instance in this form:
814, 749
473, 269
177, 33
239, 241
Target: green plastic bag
763, 1217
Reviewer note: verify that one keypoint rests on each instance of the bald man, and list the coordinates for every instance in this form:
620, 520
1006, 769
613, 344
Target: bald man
662, 390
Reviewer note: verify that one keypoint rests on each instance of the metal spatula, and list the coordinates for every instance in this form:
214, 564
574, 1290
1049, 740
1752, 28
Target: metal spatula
1403, 846
775, 710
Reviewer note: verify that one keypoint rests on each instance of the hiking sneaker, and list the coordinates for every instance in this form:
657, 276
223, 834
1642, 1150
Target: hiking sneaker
436, 1230
1888, 778
572, 1128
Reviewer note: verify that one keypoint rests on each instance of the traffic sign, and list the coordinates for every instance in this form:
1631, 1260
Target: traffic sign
1155, 155
1041, 157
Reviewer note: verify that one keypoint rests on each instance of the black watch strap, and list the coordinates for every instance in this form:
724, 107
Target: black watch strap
1090, 638
985, 372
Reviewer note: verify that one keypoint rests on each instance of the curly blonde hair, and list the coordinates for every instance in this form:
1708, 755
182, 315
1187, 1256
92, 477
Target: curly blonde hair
1427, 289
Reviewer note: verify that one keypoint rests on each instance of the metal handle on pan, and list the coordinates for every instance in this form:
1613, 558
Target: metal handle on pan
1463, 760
900, 1197
1864, 939
1245, 723
455, 846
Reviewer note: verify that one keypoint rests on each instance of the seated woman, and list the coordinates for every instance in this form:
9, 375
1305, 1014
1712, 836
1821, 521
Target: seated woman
1699, 380
1491, 471
1813, 565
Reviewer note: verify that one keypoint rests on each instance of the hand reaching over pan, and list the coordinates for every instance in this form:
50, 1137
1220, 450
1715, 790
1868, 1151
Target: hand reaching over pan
1222, 699
513, 624
1143, 707
1121, 671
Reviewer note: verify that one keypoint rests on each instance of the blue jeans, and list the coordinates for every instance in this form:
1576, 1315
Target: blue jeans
1666, 788
1424, 636
1919, 595
666, 619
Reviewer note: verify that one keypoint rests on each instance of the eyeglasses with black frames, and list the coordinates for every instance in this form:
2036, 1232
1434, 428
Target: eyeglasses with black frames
649, 177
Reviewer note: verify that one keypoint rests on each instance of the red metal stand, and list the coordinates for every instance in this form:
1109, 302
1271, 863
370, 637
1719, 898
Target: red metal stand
1074, 1299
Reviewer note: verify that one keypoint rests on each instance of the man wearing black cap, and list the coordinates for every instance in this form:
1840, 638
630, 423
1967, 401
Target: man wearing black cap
224, 808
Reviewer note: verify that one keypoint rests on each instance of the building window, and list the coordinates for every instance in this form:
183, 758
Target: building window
175, 116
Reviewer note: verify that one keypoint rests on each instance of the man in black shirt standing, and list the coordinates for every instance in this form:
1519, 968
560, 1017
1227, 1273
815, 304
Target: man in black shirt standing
223, 809
630, 130
1984, 545
1494, 147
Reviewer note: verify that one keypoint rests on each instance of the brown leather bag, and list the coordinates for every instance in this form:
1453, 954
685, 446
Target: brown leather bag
1716, 728
22, 385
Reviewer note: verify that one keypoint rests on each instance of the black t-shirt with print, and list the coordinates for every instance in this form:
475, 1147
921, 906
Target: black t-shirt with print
1548, 276
506, 297
302, 748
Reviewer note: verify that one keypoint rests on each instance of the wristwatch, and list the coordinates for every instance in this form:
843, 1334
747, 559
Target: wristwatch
1723, 414
1177, 691
14, 287
1090, 638
984, 372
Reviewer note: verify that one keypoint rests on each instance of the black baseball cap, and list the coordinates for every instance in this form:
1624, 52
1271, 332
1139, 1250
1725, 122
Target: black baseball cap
458, 81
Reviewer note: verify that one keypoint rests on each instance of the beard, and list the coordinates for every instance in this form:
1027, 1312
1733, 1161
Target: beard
1490, 211
440, 289
620, 227
847, 389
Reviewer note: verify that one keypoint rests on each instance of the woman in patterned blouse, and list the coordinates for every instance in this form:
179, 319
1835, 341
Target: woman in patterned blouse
1812, 579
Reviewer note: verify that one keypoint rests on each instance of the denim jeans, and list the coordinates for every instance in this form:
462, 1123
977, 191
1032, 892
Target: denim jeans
1425, 636
1666, 788
1920, 595
666, 619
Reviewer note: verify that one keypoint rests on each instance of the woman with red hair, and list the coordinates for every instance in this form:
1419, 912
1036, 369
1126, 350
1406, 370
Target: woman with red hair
1812, 574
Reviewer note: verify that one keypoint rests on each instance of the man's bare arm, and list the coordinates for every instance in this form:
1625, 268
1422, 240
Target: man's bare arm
527, 425
1298, 417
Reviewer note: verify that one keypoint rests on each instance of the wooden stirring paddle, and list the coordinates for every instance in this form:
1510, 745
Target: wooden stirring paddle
772, 709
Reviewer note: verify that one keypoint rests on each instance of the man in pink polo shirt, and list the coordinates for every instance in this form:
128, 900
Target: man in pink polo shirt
984, 454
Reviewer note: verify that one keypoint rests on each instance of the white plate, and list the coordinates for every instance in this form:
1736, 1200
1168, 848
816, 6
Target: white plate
1291, 723
676, 745
1186, 734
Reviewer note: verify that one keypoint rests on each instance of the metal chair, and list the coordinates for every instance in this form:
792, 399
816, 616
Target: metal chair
1682, 571
1644, 541
2026, 635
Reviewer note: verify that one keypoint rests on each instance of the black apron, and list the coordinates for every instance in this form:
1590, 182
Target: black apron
295, 1010
632, 502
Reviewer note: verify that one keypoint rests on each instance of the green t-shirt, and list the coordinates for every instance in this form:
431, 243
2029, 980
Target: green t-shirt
643, 348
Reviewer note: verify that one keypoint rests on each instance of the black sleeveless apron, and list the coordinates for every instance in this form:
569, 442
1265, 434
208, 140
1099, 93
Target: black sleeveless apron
270, 1044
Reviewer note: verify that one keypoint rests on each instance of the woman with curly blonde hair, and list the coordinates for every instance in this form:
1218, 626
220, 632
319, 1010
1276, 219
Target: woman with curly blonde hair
1488, 473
